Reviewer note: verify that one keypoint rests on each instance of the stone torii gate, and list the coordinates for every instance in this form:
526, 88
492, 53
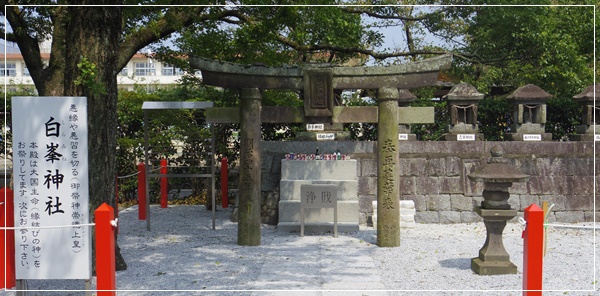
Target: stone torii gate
318, 83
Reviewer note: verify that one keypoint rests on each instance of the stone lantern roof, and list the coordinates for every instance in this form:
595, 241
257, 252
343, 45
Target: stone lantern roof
463, 92
588, 94
498, 170
529, 92
405, 96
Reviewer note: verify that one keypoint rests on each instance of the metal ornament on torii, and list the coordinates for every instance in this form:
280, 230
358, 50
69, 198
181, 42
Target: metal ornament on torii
318, 83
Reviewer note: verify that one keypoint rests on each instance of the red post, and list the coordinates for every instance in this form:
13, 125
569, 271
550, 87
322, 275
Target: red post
7, 239
163, 183
105, 250
533, 251
224, 180
141, 191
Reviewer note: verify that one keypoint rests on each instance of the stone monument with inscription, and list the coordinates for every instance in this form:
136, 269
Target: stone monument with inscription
341, 174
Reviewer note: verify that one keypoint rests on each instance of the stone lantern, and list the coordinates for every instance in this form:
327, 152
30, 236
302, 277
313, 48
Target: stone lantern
529, 117
497, 176
587, 99
462, 106
404, 99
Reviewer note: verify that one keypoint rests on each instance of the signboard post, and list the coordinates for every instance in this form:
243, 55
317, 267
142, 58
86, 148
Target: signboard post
318, 196
50, 169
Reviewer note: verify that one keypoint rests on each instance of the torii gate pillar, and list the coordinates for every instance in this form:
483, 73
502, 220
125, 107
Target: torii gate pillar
388, 205
249, 188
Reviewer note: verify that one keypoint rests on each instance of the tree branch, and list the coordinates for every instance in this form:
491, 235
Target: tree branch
28, 45
161, 29
390, 17
372, 53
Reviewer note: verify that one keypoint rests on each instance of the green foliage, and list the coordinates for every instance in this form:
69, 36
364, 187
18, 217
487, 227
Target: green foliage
270, 33
362, 131
181, 136
563, 116
88, 76
495, 117
549, 46
432, 131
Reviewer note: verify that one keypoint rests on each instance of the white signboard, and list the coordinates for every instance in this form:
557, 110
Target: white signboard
50, 165
402, 137
535, 137
326, 136
315, 127
465, 137
596, 137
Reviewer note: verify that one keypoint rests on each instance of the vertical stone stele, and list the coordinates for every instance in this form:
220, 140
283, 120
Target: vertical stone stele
497, 176
388, 208
250, 178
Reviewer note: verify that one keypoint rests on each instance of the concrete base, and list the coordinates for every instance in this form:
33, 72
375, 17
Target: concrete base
492, 267
409, 137
582, 137
321, 227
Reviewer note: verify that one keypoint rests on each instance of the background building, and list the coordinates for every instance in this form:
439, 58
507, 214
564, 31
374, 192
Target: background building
141, 70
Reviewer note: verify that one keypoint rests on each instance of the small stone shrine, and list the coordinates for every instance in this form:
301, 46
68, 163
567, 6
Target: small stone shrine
462, 107
405, 97
587, 99
497, 176
529, 117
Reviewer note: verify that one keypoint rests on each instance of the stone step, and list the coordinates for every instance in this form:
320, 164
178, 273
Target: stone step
289, 211
407, 214
317, 227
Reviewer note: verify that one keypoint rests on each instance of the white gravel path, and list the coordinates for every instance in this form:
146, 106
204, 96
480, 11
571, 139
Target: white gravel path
182, 255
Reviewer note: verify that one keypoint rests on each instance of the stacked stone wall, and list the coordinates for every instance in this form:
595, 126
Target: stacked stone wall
434, 176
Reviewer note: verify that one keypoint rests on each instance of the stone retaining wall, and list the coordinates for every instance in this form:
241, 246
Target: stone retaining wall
434, 176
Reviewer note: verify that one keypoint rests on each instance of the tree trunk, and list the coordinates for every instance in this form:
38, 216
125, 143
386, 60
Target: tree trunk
93, 35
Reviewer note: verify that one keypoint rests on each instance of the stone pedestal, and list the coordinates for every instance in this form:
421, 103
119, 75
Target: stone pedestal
341, 173
493, 258
404, 133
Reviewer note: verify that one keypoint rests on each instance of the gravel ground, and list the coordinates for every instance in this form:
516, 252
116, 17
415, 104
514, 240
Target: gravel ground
182, 255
